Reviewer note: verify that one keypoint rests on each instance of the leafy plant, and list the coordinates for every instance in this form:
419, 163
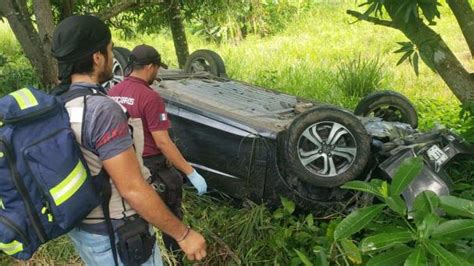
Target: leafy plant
427, 237
359, 77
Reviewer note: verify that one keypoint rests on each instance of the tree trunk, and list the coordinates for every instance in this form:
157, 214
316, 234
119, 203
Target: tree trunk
437, 55
465, 16
177, 30
66, 9
18, 17
45, 24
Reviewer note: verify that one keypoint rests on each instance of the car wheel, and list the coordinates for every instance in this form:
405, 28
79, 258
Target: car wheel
326, 147
390, 106
205, 61
118, 68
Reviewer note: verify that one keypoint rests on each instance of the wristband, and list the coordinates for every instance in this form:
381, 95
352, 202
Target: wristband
186, 233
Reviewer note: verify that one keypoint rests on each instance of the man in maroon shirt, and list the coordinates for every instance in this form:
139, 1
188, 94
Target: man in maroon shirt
142, 102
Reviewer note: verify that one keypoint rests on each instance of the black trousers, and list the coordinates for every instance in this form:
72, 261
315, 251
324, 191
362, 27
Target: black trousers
168, 182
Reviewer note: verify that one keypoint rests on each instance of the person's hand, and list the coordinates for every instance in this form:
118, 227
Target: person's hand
198, 182
193, 245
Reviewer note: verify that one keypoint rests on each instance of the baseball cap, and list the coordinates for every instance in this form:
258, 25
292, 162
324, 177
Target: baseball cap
144, 54
76, 37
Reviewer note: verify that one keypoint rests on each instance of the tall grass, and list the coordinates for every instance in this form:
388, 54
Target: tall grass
359, 77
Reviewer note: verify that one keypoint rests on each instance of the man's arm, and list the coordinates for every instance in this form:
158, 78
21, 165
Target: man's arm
170, 151
125, 173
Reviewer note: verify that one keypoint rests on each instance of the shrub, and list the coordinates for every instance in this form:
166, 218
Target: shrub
358, 77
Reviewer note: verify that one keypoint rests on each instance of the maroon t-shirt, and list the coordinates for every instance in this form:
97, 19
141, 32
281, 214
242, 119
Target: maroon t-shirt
142, 102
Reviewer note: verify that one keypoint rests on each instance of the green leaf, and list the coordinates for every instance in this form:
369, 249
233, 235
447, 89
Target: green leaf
351, 251
457, 206
321, 257
406, 47
453, 230
278, 214
426, 202
428, 225
416, 258
415, 63
385, 240
391, 257
404, 57
397, 204
445, 257
384, 189
288, 205
303, 258
309, 220
357, 220
364, 187
407, 171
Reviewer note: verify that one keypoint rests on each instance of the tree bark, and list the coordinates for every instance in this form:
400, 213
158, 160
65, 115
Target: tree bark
117, 9
45, 24
178, 32
125, 5
66, 9
18, 17
465, 16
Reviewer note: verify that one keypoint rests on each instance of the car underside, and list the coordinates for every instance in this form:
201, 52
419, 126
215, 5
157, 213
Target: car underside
256, 143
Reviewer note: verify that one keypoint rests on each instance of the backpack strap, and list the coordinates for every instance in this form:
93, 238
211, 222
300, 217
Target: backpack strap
105, 187
73, 94
106, 193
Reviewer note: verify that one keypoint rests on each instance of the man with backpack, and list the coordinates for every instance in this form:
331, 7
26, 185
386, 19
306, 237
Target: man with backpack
160, 154
83, 47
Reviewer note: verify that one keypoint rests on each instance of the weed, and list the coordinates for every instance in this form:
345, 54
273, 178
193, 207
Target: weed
359, 77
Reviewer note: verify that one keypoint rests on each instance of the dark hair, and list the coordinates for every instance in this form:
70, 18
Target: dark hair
132, 66
138, 66
85, 65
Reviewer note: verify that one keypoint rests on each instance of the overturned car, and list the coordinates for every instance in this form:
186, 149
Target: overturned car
256, 143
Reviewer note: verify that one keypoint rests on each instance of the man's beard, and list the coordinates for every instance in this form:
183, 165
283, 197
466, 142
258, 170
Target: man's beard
105, 75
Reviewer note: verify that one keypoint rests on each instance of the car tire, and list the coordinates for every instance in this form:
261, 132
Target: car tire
123, 52
342, 154
118, 68
122, 55
205, 60
390, 106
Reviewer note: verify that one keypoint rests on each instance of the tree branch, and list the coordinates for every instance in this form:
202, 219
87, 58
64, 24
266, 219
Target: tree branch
117, 9
125, 5
464, 14
376, 21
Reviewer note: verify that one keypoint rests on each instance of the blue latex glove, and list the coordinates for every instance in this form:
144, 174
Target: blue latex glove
198, 182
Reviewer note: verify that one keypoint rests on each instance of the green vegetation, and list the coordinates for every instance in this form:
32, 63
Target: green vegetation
318, 54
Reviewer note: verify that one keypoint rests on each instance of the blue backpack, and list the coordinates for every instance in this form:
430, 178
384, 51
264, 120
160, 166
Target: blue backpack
46, 188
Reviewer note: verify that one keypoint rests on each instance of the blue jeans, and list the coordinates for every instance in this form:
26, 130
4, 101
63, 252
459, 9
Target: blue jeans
95, 249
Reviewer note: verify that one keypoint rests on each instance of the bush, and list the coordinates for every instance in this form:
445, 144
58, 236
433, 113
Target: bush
15, 74
359, 77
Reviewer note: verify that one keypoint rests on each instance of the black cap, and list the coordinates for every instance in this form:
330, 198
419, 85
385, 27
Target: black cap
78, 36
144, 54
